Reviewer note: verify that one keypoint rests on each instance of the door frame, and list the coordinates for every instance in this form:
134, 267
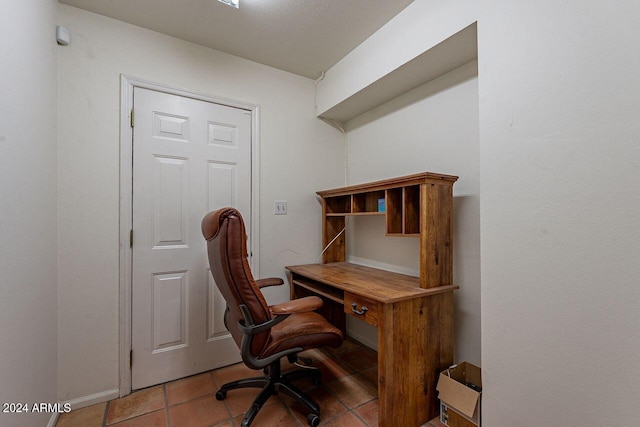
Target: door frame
127, 85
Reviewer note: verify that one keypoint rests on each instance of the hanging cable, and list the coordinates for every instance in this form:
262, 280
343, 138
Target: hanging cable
333, 240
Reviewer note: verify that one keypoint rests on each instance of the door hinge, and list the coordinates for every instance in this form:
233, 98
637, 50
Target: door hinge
132, 117
131, 238
130, 358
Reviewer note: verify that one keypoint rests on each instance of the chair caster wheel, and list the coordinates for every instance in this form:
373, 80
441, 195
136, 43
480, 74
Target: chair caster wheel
220, 395
313, 420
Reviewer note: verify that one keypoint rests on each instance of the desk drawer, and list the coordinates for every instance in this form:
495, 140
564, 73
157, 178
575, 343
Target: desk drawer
364, 308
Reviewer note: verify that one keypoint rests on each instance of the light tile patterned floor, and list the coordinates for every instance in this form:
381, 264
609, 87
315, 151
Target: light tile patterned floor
347, 397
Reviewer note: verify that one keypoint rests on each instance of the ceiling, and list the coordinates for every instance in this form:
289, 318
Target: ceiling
304, 37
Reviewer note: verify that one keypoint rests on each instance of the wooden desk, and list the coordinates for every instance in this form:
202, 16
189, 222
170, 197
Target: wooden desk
415, 330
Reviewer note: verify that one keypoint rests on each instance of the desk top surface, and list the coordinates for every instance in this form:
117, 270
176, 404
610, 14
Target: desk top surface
378, 285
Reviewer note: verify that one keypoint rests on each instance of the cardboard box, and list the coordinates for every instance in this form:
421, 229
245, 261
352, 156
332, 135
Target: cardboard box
459, 390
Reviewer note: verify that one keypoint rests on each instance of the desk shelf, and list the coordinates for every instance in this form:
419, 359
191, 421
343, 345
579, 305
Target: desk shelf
318, 288
356, 214
419, 205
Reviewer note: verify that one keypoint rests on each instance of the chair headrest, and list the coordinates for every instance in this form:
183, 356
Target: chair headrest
212, 221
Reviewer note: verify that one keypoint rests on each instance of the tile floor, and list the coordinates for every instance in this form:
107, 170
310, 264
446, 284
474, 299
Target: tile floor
347, 397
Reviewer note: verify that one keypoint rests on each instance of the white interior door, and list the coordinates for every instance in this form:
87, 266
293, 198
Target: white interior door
189, 157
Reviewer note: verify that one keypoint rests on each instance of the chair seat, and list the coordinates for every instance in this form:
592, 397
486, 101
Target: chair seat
306, 330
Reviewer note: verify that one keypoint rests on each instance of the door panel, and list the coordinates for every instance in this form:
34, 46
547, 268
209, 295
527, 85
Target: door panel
189, 157
169, 327
171, 204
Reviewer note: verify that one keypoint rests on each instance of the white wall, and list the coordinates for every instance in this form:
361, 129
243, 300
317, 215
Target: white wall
299, 155
560, 174
432, 128
560, 202
27, 207
419, 27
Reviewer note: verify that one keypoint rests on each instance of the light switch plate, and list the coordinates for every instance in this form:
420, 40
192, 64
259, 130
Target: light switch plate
280, 207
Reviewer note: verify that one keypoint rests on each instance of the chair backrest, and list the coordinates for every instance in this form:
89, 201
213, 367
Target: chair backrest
226, 246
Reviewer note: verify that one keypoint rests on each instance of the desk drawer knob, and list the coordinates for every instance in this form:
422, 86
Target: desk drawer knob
354, 308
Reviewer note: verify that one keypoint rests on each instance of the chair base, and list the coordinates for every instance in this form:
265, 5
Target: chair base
271, 384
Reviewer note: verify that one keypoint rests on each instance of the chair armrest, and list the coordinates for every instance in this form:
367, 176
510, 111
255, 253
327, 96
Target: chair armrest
249, 329
271, 281
300, 305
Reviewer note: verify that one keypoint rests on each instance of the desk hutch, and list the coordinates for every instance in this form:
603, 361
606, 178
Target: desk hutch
414, 315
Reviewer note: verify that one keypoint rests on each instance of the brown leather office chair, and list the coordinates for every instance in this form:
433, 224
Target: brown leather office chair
264, 334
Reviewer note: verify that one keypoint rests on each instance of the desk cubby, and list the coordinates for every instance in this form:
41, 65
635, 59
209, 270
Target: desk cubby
403, 211
340, 205
367, 202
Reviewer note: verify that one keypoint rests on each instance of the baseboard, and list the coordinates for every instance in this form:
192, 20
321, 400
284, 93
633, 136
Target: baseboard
85, 401
384, 266
363, 340
362, 332
92, 399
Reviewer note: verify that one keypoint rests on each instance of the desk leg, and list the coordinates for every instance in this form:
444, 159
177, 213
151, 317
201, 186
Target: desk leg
412, 349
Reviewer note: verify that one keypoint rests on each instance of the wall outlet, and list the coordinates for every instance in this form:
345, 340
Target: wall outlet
280, 207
